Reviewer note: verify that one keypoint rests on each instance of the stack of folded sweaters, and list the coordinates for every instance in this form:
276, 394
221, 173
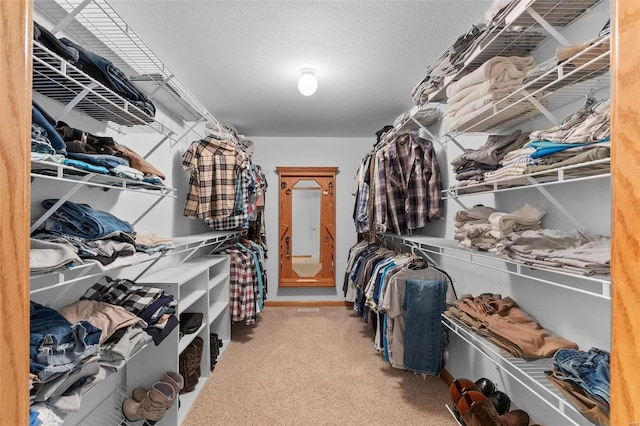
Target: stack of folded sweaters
494, 80
483, 227
520, 236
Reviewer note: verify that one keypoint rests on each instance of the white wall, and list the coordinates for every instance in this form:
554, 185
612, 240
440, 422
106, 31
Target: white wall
345, 153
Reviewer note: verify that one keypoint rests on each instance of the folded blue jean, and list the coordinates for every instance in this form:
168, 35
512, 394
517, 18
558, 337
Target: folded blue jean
104, 160
587, 370
82, 221
108, 74
423, 333
56, 345
86, 166
40, 117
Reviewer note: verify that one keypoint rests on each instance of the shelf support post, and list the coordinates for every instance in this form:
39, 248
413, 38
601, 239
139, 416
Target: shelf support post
544, 24
556, 203
71, 105
70, 16
60, 202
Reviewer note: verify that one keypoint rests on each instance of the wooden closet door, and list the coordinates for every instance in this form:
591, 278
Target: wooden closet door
625, 253
15, 134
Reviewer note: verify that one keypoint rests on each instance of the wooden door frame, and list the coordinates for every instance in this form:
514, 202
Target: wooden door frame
286, 276
15, 134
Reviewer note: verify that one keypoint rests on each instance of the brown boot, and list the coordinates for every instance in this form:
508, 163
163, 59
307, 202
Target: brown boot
174, 379
478, 411
153, 406
515, 418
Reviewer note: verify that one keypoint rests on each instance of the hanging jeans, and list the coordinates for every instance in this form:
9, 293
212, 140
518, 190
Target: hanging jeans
423, 336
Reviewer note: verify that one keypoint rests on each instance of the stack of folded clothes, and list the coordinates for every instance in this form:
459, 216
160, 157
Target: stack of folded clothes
57, 142
75, 233
519, 236
484, 227
473, 164
502, 321
496, 79
568, 251
582, 137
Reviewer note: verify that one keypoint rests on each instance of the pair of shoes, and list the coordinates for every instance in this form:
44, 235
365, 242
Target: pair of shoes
215, 343
480, 404
152, 404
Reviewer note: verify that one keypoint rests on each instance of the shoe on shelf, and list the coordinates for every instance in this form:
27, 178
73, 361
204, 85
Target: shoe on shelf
153, 406
170, 377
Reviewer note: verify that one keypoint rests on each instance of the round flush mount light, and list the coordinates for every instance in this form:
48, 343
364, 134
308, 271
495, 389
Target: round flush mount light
307, 84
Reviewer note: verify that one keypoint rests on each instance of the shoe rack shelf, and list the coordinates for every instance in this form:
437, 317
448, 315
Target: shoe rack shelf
529, 373
596, 285
597, 169
519, 32
201, 285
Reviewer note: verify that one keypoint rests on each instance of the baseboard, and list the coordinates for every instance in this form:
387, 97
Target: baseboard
446, 376
293, 303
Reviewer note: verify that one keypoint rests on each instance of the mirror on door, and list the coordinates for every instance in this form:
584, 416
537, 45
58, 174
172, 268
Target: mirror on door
307, 222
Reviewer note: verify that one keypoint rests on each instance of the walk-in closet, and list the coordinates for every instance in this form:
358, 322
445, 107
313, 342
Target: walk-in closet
319, 212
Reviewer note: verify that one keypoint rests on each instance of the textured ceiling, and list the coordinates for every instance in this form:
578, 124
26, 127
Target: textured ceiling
242, 58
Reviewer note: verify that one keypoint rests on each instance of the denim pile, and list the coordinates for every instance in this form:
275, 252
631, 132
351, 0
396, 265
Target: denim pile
77, 232
472, 165
584, 378
96, 67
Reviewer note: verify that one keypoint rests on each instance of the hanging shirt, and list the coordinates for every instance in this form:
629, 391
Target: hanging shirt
214, 165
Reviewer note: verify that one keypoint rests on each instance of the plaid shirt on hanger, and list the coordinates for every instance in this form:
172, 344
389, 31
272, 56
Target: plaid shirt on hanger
214, 165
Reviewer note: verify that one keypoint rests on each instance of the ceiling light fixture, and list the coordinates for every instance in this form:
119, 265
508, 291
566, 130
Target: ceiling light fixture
307, 84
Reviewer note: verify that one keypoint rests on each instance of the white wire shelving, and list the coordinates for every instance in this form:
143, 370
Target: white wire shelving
412, 121
519, 32
597, 169
105, 33
529, 373
592, 285
61, 172
61, 81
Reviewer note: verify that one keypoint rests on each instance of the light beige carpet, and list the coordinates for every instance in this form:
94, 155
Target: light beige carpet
315, 367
